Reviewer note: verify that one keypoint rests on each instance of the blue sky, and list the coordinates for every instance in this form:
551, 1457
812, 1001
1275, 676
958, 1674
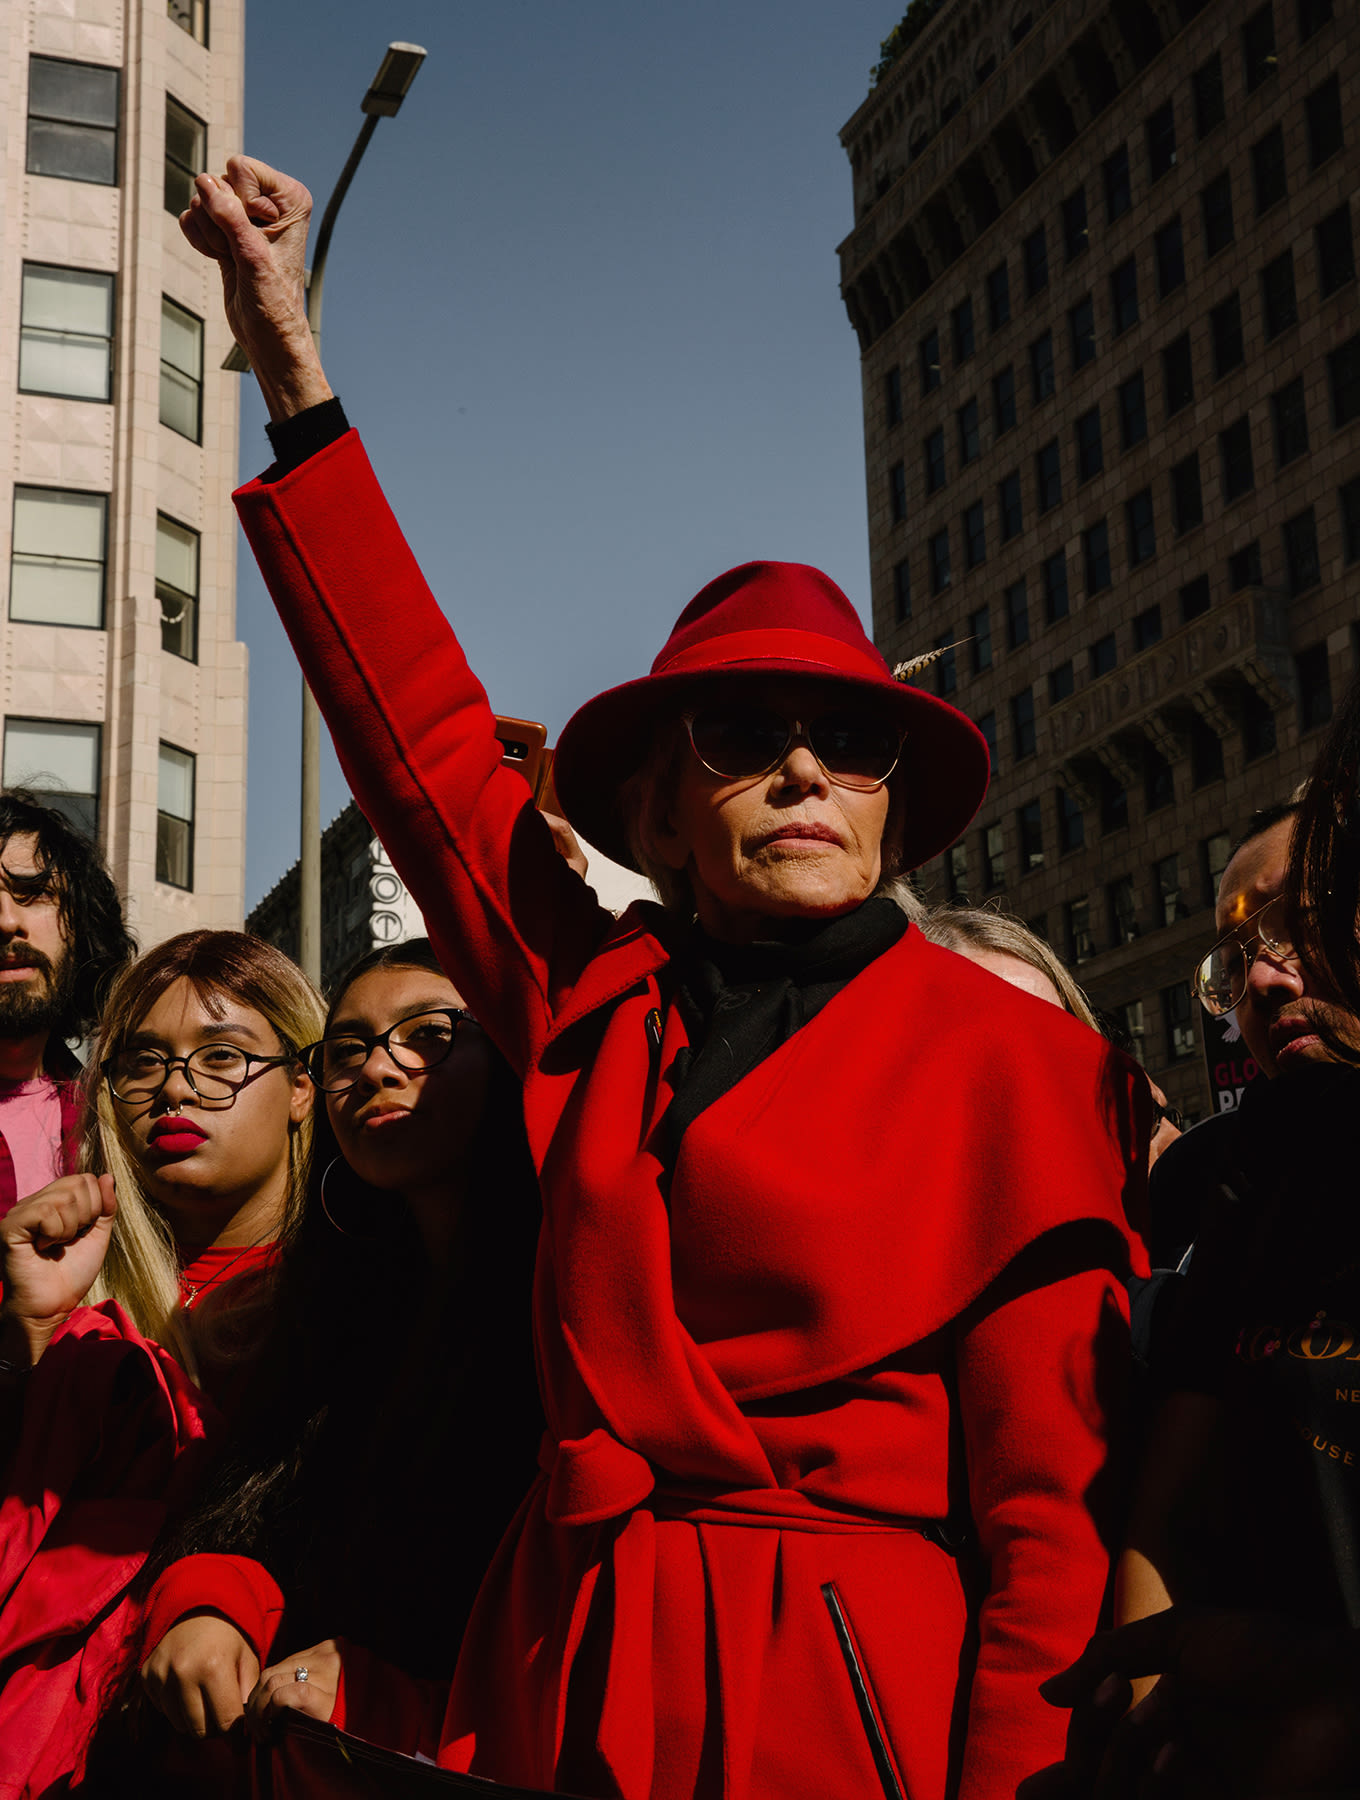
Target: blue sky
582, 304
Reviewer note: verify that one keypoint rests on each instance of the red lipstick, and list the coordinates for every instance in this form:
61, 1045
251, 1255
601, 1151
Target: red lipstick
174, 1137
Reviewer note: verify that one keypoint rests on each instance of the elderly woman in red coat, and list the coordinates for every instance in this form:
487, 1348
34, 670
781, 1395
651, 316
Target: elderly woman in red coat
828, 1306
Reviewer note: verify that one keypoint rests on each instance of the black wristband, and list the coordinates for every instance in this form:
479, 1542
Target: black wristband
296, 439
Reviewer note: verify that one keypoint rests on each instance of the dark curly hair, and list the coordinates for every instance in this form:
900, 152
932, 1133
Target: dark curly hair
91, 910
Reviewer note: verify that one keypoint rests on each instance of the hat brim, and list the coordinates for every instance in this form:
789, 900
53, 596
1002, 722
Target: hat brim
944, 765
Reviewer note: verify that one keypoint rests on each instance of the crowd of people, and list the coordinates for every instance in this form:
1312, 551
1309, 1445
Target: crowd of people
681, 1356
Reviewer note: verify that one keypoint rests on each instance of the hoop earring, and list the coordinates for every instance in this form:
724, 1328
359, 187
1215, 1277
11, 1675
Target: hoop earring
359, 1236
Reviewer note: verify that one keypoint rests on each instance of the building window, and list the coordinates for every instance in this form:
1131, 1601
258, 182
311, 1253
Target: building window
1258, 727
1071, 824
929, 356
1030, 820
1147, 628
1172, 905
1003, 399
1034, 255
1178, 382
1225, 332
1279, 307
1062, 683
961, 323
1216, 214
1343, 379
987, 726
1055, 587
72, 120
1124, 295
980, 630
66, 333
1123, 907
1214, 855
970, 441
1118, 193
1244, 567
1322, 110
1022, 724
1161, 142
934, 460
1335, 250
998, 297
901, 592
1081, 331
940, 576
1268, 180
1289, 422
974, 536
1076, 238
57, 565
1194, 598
1114, 803
181, 371
1095, 551
1017, 615
1141, 535
956, 872
1104, 656
1187, 495
1077, 931
1206, 753
1169, 246
1010, 506
1048, 476
1234, 451
892, 396
1090, 456
1132, 412
1348, 501
1179, 1013
175, 818
1159, 789
1301, 562
1041, 366
177, 587
993, 857
1313, 15
1258, 48
61, 762
186, 153
190, 16
1206, 85
1315, 687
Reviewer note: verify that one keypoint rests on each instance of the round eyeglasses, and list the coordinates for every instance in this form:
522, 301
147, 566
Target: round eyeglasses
740, 741
416, 1044
216, 1072
1221, 979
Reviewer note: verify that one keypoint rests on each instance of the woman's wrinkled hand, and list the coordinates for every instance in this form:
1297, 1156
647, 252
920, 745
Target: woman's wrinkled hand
200, 1674
278, 1688
252, 222
53, 1245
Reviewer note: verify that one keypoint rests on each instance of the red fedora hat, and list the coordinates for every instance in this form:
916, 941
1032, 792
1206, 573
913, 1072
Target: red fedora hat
769, 618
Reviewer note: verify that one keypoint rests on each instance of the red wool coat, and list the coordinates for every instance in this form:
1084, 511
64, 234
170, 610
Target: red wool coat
883, 1285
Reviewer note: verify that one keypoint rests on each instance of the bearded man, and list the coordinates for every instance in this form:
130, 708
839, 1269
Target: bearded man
62, 939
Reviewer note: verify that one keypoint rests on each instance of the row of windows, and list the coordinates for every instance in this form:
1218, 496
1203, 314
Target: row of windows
62, 761
73, 129
66, 344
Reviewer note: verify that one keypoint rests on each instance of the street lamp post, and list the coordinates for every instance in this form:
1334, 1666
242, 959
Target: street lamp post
386, 92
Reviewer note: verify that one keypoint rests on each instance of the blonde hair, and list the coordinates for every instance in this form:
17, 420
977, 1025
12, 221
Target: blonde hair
960, 927
141, 1270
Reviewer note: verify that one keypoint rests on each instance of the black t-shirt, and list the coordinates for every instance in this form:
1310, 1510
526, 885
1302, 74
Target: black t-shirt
1270, 1326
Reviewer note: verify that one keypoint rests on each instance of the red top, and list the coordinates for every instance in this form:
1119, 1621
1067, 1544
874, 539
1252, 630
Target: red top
838, 1318
213, 1267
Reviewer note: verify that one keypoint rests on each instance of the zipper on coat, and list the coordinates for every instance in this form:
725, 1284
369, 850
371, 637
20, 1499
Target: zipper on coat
889, 1779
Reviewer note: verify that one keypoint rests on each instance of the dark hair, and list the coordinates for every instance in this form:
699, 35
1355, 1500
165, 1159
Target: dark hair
1324, 859
99, 942
354, 1406
1264, 819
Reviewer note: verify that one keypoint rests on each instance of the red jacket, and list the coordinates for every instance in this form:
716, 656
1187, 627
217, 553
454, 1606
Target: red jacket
885, 1279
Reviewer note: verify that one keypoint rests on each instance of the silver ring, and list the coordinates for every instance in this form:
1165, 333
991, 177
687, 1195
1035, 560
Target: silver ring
300, 1673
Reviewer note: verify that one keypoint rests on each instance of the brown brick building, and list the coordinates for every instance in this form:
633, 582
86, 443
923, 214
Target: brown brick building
1104, 281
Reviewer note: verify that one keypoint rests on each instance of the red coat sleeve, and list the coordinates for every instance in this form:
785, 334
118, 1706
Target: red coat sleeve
240, 1589
1041, 1376
415, 734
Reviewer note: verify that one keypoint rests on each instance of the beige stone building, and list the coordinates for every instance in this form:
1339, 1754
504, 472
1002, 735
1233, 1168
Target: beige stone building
1103, 276
122, 686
